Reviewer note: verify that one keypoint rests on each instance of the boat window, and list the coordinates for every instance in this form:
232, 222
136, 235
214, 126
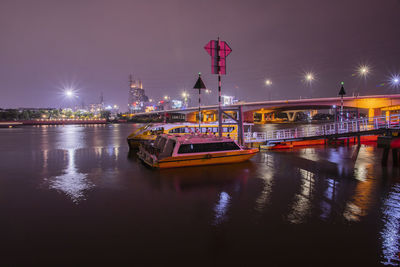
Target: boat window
169, 148
209, 147
228, 129
161, 144
178, 130
157, 130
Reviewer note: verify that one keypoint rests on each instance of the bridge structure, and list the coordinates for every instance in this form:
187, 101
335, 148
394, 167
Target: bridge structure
374, 105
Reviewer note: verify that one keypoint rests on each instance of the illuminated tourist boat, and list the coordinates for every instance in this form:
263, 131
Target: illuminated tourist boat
171, 151
148, 133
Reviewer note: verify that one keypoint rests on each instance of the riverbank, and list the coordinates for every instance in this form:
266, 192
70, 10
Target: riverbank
9, 124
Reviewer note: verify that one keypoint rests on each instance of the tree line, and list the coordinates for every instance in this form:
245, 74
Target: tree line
33, 114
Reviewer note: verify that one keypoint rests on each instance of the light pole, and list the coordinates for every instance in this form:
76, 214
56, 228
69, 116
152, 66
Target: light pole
342, 92
70, 94
268, 83
309, 77
185, 97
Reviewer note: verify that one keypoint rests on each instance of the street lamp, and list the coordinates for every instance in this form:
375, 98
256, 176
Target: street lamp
395, 81
309, 76
268, 83
185, 97
363, 70
69, 93
342, 92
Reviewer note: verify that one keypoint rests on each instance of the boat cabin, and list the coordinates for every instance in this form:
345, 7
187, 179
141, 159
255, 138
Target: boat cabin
166, 145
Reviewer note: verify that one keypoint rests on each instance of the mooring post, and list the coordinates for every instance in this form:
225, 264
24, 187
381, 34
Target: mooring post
359, 140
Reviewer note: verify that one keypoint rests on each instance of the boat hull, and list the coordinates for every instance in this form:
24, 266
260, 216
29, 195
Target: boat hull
201, 160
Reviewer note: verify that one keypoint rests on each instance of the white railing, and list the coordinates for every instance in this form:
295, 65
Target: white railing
349, 126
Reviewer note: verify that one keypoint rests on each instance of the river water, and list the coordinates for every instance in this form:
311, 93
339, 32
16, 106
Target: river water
74, 195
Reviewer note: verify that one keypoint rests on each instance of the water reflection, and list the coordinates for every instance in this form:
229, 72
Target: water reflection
329, 194
390, 235
189, 179
266, 173
360, 203
302, 203
221, 208
72, 183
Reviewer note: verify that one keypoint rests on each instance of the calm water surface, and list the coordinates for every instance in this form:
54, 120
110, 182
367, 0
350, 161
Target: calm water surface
74, 195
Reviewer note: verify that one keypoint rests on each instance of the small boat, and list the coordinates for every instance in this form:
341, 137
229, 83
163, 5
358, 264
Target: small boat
9, 124
148, 133
280, 145
171, 151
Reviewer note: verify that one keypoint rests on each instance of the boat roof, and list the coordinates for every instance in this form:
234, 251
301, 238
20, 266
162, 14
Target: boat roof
197, 138
168, 126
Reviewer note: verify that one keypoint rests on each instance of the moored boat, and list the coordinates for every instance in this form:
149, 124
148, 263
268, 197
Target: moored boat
148, 133
171, 151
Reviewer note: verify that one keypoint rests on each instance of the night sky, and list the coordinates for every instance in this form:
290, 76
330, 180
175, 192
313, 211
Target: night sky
95, 45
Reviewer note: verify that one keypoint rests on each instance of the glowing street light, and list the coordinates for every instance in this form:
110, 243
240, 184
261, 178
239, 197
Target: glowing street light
395, 80
166, 97
363, 70
69, 93
268, 83
185, 97
309, 77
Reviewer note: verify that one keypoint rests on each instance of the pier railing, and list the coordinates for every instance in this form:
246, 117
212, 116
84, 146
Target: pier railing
341, 127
